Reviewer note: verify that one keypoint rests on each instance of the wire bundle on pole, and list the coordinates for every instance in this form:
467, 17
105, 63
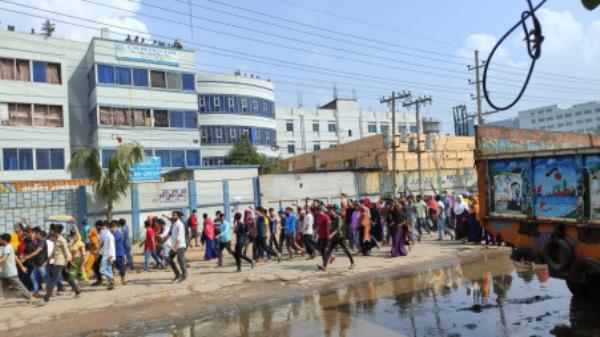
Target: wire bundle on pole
533, 38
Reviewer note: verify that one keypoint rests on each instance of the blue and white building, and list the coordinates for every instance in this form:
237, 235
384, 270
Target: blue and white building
231, 106
144, 94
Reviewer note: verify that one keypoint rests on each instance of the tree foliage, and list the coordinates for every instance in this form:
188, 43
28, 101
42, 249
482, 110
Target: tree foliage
244, 153
112, 182
590, 4
48, 27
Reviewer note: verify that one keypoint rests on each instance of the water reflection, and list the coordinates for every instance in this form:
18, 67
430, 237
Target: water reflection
490, 298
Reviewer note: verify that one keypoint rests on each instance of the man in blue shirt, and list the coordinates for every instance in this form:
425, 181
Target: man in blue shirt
119, 250
224, 238
290, 232
126, 243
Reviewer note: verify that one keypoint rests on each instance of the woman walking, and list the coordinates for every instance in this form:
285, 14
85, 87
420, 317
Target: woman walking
208, 234
399, 222
241, 239
77, 248
461, 211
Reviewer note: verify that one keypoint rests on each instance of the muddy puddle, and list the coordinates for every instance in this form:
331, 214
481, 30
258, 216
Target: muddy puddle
488, 298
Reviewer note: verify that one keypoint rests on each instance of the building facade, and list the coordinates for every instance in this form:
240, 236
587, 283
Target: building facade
36, 112
303, 130
143, 94
231, 106
582, 118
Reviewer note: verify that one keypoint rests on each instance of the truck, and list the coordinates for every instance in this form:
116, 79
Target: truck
540, 192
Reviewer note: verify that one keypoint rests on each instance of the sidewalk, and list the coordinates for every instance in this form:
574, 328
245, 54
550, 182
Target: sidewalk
152, 299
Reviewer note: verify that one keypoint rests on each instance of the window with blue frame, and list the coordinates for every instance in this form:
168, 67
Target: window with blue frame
177, 158
140, 77
39, 71
188, 82
25, 159
192, 157
11, 159
50, 159
106, 74
42, 159
176, 119
122, 76
191, 119
165, 157
106, 154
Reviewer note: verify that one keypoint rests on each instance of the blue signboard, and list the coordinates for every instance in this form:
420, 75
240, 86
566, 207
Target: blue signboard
147, 171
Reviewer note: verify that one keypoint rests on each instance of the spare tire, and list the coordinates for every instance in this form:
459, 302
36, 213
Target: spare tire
527, 254
558, 255
586, 271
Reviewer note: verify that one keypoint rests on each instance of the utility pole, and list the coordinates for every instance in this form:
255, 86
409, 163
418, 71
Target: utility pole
417, 103
477, 84
392, 101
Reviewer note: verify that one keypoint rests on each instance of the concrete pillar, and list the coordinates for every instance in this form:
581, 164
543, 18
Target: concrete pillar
226, 206
135, 212
81, 204
256, 190
192, 196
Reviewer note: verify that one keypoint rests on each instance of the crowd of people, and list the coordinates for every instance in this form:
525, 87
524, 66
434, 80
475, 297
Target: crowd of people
34, 262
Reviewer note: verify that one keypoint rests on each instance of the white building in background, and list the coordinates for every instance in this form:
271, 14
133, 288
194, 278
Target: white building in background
302, 130
231, 106
582, 118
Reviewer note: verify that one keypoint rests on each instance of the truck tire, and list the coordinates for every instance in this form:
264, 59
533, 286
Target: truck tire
527, 254
565, 256
587, 271
577, 289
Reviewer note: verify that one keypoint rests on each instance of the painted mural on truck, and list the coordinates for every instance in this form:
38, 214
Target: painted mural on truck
511, 181
555, 181
592, 162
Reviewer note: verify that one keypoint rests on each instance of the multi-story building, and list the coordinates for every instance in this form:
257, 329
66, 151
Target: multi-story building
582, 118
38, 78
302, 130
144, 94
231, 106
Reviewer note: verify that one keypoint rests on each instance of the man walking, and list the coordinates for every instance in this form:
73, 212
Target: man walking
62, 257
108, 253
308, 232
336, 239
126, 243
38, 259
8, 269
119, 250
178, 247
224, 237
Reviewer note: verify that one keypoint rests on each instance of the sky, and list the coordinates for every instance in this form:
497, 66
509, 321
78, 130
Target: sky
365, 49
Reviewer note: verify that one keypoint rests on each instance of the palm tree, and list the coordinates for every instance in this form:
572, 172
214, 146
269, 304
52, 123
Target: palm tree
112, 182
48, 28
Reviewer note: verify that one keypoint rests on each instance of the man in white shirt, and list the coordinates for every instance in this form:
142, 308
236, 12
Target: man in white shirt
178, 247
308, 226
108, 252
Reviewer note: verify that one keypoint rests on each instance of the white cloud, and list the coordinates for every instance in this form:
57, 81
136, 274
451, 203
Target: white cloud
485, 43
125, 18
561, 30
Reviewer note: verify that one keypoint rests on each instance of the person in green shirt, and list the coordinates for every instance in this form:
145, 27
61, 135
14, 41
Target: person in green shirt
336, 239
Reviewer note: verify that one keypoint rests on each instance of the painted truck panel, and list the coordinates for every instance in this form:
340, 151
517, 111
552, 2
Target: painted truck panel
533, 183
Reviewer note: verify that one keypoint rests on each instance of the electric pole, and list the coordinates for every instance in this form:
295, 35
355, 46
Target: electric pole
392, 101
417, 103
477, 84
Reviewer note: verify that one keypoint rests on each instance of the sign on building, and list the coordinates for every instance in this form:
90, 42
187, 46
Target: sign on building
147, 54
173, 196
149, 170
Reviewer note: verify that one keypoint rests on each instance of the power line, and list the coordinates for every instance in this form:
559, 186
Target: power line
386, 43
211, 49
